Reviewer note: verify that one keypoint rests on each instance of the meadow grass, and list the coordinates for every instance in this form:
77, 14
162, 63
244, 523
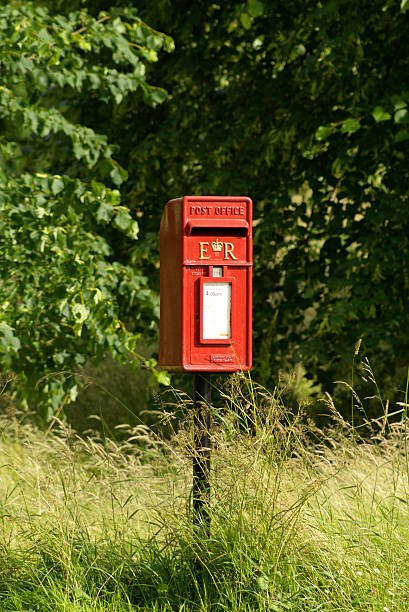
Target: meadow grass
301, 519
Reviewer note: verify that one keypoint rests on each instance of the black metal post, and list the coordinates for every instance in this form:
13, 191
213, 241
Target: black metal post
201, 457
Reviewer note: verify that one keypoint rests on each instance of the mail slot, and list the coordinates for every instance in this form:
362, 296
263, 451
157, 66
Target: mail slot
206, 284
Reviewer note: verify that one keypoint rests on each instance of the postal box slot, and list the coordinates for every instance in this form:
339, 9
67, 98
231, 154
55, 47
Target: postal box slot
211, 227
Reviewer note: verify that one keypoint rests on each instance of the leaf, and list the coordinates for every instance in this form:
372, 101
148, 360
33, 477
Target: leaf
350, 126
323, 132
105, 212
73, 393
380, 114
118, 174
263, 583
404, 5
255, 8
401, 136
78, 149
157, 96
80, 312
8, 341
401, 116
83, 44
168, 44
245, 20
163, 378
57, 185
133, 230
398, 102
122, 220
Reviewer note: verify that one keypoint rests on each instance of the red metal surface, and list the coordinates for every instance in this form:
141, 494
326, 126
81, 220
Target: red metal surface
198, 233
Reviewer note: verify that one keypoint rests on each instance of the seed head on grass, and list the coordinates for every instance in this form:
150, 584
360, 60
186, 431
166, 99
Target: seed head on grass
301, 518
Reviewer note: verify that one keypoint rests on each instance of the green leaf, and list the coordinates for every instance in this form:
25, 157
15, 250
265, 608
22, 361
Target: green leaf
80, 312
380, 114
8, 341
133, 230
350, 126
398, 101
323, 132
245, 20
118, 174
57, 185
168, 44
263, 582
401, 116
255, 8
163, 378
401, 136
83, 44
105, 212
122, 220
158, 96
404, 5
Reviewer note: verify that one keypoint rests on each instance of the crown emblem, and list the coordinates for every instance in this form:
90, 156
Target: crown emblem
217, 246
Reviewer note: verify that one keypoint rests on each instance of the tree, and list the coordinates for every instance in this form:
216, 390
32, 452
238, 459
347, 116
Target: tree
301, 105
304, 107
60, 282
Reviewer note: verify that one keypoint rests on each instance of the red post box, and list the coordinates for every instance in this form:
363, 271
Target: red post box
206, 284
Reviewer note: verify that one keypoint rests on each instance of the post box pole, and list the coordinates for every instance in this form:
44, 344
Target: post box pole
201, 457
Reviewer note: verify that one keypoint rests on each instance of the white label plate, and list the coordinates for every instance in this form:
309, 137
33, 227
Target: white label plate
216, 311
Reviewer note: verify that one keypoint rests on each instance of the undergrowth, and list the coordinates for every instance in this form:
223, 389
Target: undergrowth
301, 518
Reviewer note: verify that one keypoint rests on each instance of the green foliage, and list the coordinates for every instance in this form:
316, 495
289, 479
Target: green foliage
303, 107
114, 398
60, 280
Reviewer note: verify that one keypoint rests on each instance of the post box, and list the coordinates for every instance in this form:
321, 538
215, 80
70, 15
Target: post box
206, 284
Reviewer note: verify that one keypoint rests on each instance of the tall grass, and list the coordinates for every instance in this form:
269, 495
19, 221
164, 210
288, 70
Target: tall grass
302, 519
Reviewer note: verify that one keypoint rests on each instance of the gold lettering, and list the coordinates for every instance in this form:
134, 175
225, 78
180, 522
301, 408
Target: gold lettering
228, 250
203, 250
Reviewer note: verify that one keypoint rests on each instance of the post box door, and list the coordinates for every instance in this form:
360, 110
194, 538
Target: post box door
220, 318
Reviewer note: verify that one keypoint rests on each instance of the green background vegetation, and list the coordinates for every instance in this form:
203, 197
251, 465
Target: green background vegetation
107, 112
301, 105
